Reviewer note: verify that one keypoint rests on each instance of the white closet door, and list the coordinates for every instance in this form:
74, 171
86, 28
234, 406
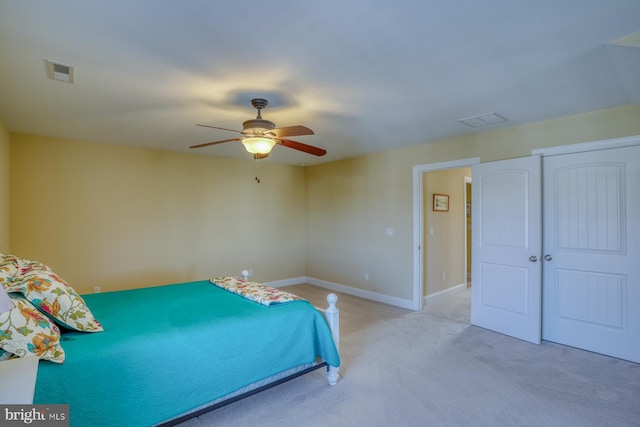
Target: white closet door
506, 269
592, 243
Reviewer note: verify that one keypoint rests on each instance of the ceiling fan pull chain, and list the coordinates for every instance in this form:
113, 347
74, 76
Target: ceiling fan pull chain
257, 163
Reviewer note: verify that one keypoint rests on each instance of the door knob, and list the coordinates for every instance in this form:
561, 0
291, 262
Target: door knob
533, 258
548, 257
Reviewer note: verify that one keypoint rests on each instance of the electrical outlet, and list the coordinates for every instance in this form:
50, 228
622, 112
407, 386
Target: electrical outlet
444, 275
366, 276
96, 289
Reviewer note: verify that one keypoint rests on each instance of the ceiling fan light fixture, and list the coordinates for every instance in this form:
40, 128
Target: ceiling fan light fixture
259, 135
258, 145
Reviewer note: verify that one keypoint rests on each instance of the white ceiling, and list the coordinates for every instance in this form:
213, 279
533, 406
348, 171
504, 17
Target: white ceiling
365, 75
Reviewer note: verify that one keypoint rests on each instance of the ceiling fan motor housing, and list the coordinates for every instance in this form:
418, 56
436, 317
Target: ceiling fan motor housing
259, 103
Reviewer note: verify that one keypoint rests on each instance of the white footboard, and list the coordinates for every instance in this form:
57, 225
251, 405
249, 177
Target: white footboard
333, 319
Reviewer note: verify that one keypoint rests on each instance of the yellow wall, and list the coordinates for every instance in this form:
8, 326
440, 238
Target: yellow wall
4, 187
350, 202
120, 217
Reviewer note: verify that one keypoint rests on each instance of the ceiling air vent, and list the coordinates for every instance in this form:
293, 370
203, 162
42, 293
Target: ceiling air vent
483, 120
60, 72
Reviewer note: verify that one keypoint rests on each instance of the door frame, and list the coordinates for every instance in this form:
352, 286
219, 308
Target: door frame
604, 144
418, 220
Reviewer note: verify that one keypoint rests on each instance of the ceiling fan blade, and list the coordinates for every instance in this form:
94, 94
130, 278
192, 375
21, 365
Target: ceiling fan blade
215, 142
302, 147
216, 127
292, 131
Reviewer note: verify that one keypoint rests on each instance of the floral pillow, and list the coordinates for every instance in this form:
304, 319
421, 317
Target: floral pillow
257, 292
9, 267
53, 296
24, 330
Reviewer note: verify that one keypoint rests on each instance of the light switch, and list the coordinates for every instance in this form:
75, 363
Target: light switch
389, 231
430, 231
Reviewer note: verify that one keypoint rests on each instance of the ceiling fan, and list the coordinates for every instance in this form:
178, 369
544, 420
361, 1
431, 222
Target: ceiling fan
259, 135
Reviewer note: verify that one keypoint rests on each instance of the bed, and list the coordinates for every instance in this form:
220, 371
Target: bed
171, 352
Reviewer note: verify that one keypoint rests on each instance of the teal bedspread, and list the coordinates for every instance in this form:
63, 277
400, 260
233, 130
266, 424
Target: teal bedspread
169, 349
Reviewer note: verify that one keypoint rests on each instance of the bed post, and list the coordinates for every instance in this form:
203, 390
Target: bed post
333, 319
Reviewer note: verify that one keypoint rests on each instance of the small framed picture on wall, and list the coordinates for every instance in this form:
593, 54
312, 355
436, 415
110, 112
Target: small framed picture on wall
441, 203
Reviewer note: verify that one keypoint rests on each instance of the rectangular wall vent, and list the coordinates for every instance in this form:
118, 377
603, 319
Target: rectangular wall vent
483, 120
60, 72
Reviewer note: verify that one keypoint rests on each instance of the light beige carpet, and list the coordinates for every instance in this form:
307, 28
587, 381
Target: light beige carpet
431, 368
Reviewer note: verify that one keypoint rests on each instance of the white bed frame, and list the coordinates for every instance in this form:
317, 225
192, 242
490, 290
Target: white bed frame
332, 314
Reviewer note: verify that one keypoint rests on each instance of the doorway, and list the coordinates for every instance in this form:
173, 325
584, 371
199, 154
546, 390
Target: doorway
419, 214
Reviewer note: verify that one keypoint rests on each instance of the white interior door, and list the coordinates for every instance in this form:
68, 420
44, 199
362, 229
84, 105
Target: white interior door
506, 236
592, 239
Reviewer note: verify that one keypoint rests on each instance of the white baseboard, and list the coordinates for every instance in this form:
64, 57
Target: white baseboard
361, 293
374, 296
446, 292
287, 282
